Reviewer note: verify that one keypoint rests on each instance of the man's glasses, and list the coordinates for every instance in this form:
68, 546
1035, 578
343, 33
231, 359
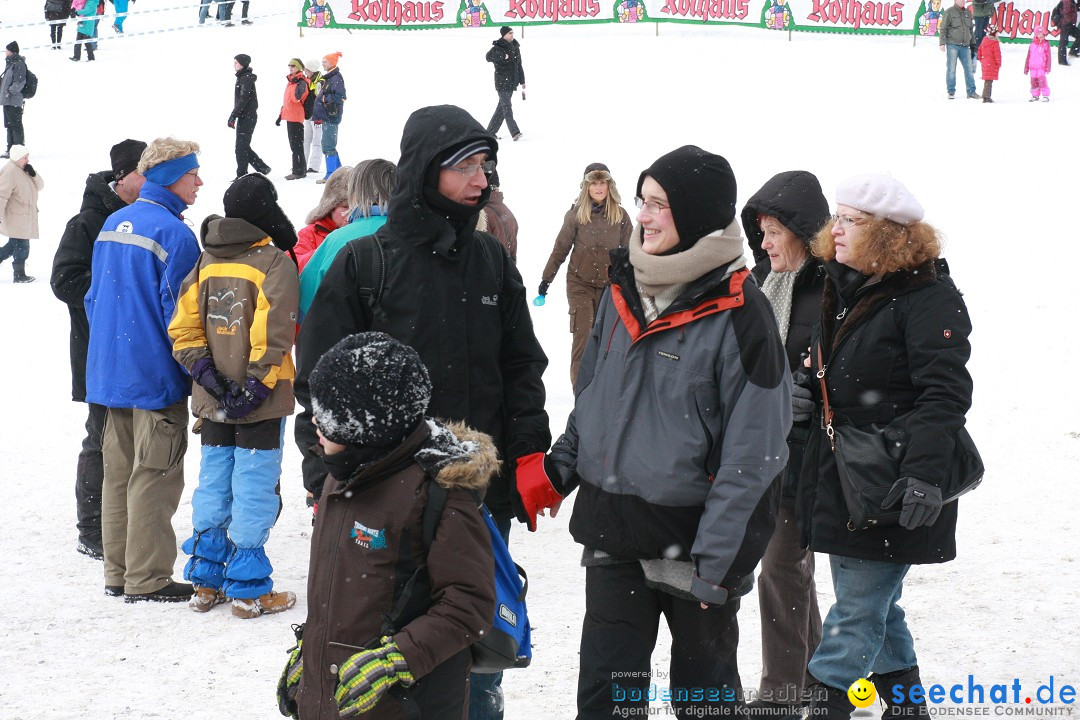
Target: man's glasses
650, 206
846, 221
488, 167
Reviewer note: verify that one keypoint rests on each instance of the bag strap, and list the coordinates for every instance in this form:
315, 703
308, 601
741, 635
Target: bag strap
827, 416
370, 268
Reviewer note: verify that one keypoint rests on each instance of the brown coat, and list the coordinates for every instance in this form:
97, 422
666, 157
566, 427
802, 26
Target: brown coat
500, 222
367, 539
18, 202
588, 247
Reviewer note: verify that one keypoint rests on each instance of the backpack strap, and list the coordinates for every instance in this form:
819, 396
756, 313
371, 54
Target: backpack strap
369, 264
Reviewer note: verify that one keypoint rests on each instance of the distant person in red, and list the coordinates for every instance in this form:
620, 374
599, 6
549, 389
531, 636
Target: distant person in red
990, 59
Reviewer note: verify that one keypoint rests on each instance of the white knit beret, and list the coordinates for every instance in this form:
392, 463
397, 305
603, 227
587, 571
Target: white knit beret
881, 195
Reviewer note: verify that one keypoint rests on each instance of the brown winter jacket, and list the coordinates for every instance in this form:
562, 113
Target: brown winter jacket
497, 219
18, 202
238, 305
368, 541
591, 244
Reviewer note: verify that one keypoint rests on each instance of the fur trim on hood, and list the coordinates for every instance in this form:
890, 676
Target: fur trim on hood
457, 456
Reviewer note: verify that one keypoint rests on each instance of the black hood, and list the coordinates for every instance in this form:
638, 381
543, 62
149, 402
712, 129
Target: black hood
795, 199
428, 133
99, 195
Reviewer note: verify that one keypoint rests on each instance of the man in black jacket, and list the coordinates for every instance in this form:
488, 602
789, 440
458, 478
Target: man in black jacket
454, 295
105, 193
505, 53
244, 116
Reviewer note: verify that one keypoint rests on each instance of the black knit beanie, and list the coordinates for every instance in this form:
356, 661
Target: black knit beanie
243, 59
125, 157
13, 46
369, 390
254, 198
505, 29
701, 190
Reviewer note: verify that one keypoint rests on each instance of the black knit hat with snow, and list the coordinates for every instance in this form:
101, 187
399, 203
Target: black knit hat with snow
369, 390
254, 198
700, 188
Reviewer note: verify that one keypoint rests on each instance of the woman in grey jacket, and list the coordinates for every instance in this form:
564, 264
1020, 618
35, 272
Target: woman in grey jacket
677, 441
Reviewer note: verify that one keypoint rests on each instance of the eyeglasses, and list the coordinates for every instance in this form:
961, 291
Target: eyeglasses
488, 167
650, 206
846, 221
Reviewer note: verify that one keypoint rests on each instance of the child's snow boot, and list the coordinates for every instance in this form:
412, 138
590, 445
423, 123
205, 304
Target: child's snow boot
266, 604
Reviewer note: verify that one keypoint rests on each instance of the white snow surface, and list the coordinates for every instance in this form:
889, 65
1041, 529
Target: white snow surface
995, 178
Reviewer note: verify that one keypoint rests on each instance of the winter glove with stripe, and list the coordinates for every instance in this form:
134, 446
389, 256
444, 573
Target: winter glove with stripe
368, 675
289, 684
922, 502
244, 400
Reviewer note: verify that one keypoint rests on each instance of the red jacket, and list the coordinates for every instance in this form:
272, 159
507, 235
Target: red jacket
296, 90
990, 57
310, 238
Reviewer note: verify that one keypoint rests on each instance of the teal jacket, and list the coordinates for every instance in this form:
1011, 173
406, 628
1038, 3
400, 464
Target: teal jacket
88, 27
322, 258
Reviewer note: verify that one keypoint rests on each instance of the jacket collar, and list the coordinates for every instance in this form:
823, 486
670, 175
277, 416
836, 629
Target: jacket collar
159, 195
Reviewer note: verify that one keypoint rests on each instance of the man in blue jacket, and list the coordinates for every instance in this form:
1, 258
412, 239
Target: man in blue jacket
141, 257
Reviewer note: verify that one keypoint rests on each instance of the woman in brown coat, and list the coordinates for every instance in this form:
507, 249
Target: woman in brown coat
595, 225
19, 186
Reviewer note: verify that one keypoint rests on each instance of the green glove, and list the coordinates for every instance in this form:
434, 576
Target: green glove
289, 684
368, 675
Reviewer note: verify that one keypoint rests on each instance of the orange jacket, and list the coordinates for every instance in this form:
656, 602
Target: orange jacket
296, 90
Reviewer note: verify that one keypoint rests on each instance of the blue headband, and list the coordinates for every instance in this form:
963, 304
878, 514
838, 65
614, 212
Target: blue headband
170, 171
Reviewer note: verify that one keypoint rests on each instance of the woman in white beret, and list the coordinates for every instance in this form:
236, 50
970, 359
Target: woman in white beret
892, 348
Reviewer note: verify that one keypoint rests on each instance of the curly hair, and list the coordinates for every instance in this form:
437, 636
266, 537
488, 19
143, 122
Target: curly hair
884, 246
613, 211
163, 150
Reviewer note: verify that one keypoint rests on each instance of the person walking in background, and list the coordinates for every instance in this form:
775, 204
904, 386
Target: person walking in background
990, 58
140, 260
57, 12
1037, 65
86, 30
369, 187
120, 7
19, 188
505, 54
594, 225
891, 352
329, 108
11, 97
1066, 28
497, 219
312, 128
982, 11
292, 112
780, 220
331, 213
233, 331
105, 193
245, 116
955, 38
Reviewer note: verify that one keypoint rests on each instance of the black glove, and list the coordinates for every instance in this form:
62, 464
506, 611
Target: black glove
232, 121
29, 170
802, 404
206, 374
277, 122
74, 13
544, 285
922, 502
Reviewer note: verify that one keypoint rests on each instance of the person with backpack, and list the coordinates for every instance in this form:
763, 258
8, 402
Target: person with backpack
12, 95
431, 281
244, 116
370, 642
292, 112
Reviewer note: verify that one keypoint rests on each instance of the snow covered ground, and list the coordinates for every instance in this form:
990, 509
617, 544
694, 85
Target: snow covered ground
994, 177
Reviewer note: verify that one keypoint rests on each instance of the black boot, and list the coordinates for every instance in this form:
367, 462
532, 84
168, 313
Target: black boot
20, 273
900, 682
826, 703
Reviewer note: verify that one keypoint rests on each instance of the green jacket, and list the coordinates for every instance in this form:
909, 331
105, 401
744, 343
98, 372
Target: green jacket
956, 28
982, 8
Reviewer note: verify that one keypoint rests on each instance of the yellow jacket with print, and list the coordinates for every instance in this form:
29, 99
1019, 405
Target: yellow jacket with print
238, 305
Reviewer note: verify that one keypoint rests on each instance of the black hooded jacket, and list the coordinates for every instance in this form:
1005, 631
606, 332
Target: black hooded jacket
795, 199
71, 267
507, 59
440, 295
245, 98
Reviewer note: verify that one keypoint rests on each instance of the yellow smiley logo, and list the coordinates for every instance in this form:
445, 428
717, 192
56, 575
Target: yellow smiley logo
862, 693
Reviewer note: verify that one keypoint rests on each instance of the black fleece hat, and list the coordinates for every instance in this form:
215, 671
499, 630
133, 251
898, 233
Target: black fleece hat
243, 59
700, 188
369, 390
253, 198
125, 156
13, 47
505, 29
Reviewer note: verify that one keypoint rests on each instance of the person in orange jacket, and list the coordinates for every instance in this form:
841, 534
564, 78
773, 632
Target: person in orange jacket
292, 112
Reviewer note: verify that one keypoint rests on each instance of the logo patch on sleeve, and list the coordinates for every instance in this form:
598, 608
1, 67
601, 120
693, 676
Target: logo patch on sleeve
365, 537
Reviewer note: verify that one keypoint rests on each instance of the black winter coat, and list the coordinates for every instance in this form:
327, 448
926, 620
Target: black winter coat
441, 296
508, 70
245, 98
795, 199
898, 355
71, 267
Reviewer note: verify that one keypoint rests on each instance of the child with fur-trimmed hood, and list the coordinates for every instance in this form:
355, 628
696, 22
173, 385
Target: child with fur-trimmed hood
369, 394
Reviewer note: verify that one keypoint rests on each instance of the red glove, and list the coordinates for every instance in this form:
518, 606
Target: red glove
535, 488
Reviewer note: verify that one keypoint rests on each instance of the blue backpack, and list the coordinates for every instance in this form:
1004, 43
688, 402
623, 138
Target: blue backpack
509, 644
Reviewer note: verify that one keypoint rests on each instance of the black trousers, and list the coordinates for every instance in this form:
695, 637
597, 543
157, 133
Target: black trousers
81, 40
1063, 39
56, 29
504, 111
13, 123
295, 132
89, 473
245, 129
622, 617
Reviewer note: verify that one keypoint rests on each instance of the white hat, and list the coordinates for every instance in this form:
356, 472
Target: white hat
313, 65
881, 195
18, 152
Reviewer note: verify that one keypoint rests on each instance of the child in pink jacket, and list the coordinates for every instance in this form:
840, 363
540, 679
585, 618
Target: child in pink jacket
1037, 65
